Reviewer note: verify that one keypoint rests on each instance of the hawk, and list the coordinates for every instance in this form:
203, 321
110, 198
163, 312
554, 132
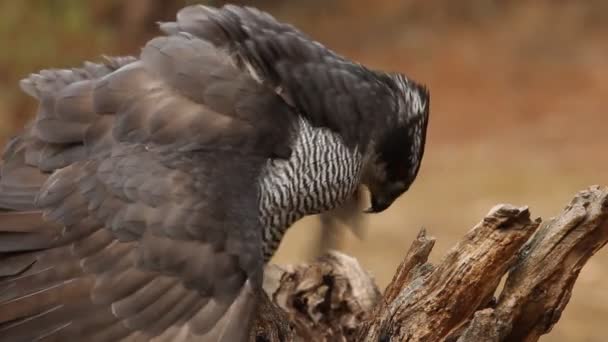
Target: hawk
144, 199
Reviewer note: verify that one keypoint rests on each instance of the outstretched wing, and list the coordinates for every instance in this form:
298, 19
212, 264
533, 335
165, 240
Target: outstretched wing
131, 204
328, 89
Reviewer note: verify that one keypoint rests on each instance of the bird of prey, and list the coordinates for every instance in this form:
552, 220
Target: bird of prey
144, 199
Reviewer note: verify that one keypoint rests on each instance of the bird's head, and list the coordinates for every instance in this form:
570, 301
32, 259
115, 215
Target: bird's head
395, 153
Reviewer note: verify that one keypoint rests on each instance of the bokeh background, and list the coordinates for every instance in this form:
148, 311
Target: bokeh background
518, 111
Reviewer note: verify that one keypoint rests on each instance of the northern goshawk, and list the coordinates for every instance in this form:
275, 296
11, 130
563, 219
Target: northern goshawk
146, 196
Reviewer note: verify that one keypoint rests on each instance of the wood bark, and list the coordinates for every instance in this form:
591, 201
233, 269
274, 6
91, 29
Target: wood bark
458, 299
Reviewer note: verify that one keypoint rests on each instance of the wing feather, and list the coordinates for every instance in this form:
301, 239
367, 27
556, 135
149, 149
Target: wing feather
123, 226
328, 89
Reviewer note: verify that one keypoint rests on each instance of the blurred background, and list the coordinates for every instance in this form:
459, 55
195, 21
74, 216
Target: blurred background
518, 110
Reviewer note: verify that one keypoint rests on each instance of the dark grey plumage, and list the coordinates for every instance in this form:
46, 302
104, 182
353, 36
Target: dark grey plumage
144, 199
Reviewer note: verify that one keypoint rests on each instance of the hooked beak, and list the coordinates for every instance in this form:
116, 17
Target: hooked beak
379, 203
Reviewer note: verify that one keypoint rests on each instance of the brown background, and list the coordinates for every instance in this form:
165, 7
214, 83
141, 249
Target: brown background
519, 98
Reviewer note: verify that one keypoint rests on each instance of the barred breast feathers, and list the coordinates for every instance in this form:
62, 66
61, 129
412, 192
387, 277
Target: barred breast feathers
321, 174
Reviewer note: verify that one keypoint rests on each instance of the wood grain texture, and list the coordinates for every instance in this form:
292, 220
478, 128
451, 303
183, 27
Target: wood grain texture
334, 299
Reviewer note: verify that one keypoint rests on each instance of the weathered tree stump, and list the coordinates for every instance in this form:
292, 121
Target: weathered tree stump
334, 299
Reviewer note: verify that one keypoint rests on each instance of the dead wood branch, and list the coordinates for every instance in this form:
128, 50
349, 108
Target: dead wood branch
334, 299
